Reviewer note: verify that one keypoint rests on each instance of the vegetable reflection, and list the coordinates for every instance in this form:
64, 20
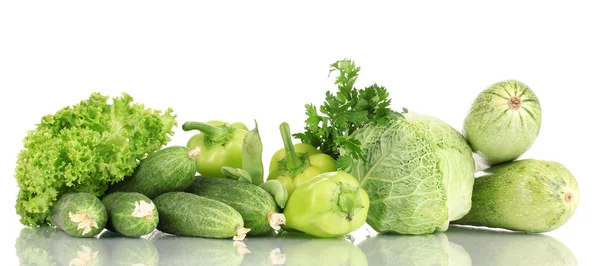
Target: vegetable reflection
128, 251
511, 248
414, 250
180, 251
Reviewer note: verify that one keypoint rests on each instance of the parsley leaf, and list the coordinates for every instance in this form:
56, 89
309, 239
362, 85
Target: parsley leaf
329, 127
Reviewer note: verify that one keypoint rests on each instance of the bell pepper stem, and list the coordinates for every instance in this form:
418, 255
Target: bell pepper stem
292, 160
348, 201
212, 132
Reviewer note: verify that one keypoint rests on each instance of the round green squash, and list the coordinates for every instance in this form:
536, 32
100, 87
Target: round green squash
503, 122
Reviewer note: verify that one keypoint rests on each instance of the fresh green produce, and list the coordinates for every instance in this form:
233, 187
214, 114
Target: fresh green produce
300, 250
84, 148
67, 250
238, 174
129, 251
417, 250
295, 164
79, 214
418, 174
252, 150
503, 122
345, 112
34, 244
327, 205
183, 251
220, 145
252, 167
130, 213
488, 247
277, 191
257, 207
527, 195
170, 169
186, 214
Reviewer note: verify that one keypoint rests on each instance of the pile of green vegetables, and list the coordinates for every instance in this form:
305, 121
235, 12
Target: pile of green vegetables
102, 164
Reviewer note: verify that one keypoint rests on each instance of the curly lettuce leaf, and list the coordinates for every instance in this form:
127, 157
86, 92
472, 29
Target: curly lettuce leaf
85, 147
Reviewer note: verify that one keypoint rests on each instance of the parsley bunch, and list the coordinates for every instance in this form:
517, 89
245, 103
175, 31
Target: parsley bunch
330, 127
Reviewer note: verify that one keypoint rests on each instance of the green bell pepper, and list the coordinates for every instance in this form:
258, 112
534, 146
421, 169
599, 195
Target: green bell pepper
327, 205
295, 164
220, 145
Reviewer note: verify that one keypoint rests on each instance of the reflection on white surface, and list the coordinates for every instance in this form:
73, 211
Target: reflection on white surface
511, 248
420, 250
458, 246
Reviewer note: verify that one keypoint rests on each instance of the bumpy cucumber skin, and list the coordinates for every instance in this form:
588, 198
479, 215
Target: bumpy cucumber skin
167, 170
498, 132
120, 206
186, 214
75, 203
252, 202
528, 195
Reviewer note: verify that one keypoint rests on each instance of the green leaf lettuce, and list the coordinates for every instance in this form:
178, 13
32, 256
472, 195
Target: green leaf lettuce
85, 147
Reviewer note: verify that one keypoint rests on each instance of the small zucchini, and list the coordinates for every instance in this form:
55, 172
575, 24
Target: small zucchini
257, 207
79, 214
130, 213
186, 214
170, 169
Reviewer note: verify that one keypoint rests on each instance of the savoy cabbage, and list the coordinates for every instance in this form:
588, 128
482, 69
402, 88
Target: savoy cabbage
418, 172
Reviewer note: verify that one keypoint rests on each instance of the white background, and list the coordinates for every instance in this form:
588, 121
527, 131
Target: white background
239, 61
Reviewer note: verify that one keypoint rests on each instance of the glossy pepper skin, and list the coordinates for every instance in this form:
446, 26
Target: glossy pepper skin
220, 145
328, 205
295, 164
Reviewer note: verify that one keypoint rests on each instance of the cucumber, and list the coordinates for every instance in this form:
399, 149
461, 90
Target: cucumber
186, 214
130, 213
257, 207
170, 169
503, 122
528, 195
79, 214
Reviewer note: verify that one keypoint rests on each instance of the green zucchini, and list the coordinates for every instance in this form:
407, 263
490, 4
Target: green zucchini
186, 214
167, 170
79, 214
528, 195
130, 213
257, 207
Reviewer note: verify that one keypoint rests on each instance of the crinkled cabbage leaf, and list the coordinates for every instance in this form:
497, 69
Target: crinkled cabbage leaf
418, 172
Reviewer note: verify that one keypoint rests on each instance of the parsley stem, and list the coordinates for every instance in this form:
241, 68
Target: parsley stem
292, 161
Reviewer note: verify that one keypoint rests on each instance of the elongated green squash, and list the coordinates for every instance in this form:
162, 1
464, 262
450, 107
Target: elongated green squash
257, 207
130, 213
527, 195
167, 170
79, 214
186, 214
